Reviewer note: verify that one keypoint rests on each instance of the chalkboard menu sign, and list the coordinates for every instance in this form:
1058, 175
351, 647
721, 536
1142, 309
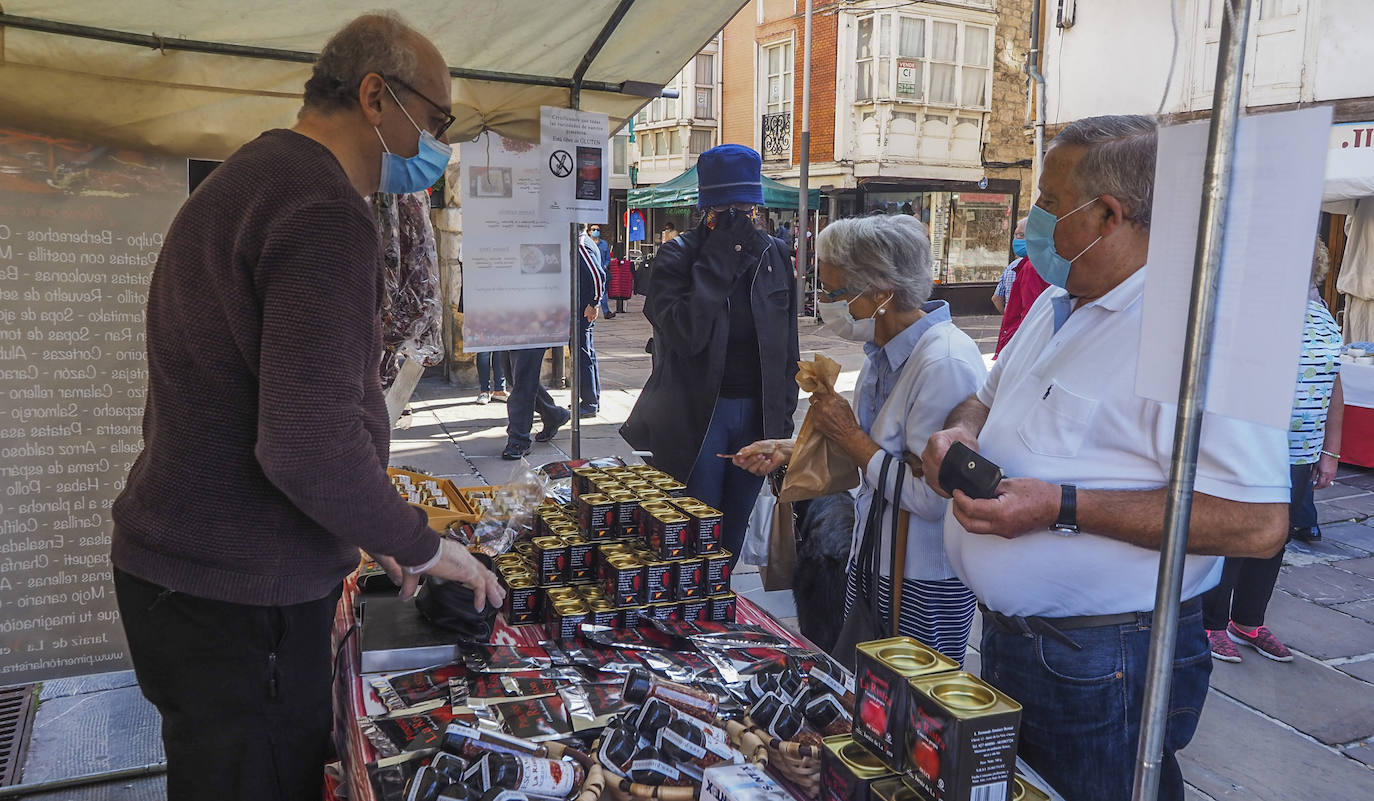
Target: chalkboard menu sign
80, 229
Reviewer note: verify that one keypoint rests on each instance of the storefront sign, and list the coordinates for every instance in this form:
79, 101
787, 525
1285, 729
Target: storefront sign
515, 259
80, 230
575, 168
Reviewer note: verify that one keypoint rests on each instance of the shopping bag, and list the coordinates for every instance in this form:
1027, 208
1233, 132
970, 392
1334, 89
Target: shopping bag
754, 551
776, 573
819, 466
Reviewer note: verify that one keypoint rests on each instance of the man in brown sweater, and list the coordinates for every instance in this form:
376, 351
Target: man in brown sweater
266, 433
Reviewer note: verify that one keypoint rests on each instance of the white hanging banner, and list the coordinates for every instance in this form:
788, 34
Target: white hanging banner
575, 165
515, 258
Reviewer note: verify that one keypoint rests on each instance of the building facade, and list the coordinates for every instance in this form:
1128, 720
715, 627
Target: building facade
916, 108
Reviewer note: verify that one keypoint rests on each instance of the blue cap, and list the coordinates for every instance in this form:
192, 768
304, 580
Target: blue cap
729, 174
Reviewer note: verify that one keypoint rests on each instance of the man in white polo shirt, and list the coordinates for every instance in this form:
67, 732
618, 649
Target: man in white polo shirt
1065, 560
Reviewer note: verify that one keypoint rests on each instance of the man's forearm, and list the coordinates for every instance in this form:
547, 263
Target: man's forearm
969, 415
1217, 527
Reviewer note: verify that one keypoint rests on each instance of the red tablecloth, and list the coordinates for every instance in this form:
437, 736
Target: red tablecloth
1357, 436
354, 748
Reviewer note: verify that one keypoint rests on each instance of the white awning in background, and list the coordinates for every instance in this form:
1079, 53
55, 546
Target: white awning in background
93, 69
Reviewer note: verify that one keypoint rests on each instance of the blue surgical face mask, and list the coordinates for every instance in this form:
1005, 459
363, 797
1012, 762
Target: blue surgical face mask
401, 176
595, 234
1052, 267
1018, 246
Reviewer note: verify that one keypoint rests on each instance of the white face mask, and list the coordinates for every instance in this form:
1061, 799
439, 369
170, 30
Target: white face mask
839, 320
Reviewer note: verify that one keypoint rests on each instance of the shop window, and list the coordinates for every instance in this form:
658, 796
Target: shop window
620, 144
970, 232
701, 141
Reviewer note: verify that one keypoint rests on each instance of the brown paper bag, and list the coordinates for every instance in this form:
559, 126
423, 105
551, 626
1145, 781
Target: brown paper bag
782, 550
819, 466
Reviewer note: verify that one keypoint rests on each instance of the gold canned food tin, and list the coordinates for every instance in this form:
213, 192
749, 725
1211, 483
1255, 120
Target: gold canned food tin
703, 529
695, 611
581, 480
624, 582
893, 789
626, 503
658, 581
594, 515
717, 573
565, 618
689, 578
645, 514
522, 601
603, 613
665, 611
881, 671
635, 615
721, 608
1023, 789
848, 770
551, 560
580, 559
960, 736
675, 489
668, 534
525, 548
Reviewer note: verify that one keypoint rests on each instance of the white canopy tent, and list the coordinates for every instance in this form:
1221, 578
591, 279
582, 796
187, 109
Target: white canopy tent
199, 78
1349, 190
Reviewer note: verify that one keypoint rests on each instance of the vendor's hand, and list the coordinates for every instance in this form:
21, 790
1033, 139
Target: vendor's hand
936, 448
1021, 505
456, 563
399, 576
764, 456
1324, 471
591, 312
831, 416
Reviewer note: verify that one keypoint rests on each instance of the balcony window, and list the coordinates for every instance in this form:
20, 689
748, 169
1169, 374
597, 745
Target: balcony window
909, 59
701, 141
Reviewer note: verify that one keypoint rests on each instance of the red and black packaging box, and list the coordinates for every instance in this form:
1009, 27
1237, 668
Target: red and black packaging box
961, 738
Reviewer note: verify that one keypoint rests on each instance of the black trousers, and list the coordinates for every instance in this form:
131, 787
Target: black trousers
244, 691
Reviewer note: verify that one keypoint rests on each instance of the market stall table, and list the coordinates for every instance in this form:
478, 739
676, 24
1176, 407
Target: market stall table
350, 694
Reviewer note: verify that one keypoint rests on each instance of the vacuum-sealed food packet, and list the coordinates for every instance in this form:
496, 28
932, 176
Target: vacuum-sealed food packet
506, 658
418, 690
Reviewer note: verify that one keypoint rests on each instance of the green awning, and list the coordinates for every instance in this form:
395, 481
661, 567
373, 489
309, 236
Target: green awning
682, 191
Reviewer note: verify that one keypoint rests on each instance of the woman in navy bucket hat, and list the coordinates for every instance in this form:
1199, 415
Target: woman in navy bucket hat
722, 300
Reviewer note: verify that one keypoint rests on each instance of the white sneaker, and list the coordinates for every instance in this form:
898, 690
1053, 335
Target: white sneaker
500, 395
484, 399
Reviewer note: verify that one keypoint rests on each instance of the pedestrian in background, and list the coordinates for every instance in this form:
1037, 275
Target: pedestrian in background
723, 306
603, 246
1234, 610
529, 397
592, 277
491, 377
1023, 286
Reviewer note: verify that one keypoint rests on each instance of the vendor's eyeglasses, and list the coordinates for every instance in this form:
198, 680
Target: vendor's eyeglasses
449, 119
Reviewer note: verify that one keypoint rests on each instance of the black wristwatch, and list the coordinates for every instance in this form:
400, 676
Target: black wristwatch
1067, 524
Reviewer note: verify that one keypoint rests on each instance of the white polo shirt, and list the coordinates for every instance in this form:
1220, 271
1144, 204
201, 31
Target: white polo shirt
1063, 409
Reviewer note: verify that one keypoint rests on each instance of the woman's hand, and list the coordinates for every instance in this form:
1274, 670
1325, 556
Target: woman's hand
764, 456
832, 417
1324, 471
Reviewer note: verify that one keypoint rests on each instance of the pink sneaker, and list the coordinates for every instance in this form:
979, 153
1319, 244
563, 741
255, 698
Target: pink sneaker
1222, 647
1263, 640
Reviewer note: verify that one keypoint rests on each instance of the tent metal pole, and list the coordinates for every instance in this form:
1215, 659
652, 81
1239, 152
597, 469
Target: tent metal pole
1197, 351
803, 195
155, 42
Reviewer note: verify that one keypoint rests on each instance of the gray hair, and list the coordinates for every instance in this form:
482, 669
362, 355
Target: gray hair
382, 43
880, 253
1118, 160
1321, 263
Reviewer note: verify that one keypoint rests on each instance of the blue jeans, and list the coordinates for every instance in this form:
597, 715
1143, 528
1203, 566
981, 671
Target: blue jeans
736, 422
589, 377
489, 368
528, 396
1080, 719
605, 303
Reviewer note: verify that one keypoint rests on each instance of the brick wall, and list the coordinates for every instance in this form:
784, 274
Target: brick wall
825, 25
737, 79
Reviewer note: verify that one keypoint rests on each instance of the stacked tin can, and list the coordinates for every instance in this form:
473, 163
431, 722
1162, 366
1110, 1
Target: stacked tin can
923, 731
630, 547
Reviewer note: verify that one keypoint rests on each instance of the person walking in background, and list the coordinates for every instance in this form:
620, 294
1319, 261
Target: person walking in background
491, 377
603, 245
876, 273
1233, 611
723, 305
668, 234
592, 276
1023, 286
528, 397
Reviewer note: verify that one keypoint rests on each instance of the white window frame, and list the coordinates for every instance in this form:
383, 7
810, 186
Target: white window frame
883, 59
787, 76
708, 86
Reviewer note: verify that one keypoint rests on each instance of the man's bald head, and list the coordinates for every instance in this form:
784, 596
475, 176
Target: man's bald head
373, 43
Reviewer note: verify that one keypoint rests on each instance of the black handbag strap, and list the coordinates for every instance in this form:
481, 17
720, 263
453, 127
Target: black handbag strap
867, 560
896, 524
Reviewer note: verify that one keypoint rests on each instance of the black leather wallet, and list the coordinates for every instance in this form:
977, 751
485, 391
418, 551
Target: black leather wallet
965, 469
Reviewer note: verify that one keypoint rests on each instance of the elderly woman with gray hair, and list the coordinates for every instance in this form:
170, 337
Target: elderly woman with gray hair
875, 273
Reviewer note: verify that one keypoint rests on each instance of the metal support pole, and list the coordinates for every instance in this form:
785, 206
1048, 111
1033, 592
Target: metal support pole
803, 195
1197, 351
1033, 69
575, 352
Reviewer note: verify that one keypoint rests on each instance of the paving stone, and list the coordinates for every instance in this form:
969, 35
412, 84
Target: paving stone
1361, 752
1363, 567
1363, 669
1331, 512
1363, 479
1299, 554
1337, 490
1240, 756
1362, 505
1353, 535
1307, 695
1364, 610
1325, 584
1316, 630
